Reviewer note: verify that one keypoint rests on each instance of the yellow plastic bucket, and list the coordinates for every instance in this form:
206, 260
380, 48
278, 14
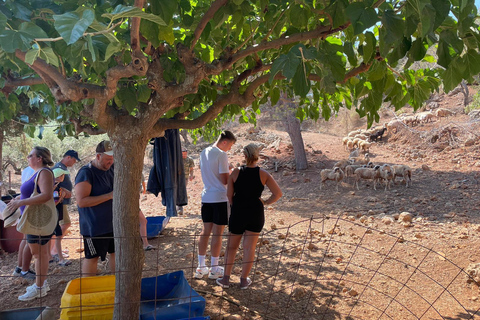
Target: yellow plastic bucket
89, 298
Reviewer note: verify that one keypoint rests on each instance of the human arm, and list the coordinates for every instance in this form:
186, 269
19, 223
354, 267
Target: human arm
84, 199
191, 176
66, 193
230, 185
272, 185
45, 184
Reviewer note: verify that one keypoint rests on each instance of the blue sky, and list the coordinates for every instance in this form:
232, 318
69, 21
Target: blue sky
477, 3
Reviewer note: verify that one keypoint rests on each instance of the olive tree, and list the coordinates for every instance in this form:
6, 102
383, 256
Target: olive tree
127, 67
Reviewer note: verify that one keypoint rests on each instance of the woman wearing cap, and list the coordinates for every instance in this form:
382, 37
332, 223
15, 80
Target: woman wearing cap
39, 158
244, 190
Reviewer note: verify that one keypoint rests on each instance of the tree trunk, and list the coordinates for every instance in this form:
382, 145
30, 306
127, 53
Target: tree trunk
466, 93
129, 255
184, 134
2, 137
292, 126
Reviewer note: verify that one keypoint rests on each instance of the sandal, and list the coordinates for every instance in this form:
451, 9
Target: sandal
64, 263
149, 247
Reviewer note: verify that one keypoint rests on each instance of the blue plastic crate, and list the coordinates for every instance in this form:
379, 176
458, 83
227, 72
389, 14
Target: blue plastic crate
155, 226
170, 297
21, 314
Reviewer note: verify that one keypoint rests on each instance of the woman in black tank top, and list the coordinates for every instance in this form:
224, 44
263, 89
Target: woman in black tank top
245, 187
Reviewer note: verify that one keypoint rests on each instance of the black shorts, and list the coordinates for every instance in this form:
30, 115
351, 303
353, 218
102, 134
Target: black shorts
99, 246
42, 240
215, 212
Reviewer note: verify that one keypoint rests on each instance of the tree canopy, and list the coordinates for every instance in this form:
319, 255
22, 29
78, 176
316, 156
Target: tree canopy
136, 68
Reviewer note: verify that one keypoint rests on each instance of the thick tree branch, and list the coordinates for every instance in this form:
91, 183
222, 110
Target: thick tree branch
135, 29
320, 32
214, 7
13, 83
87, 128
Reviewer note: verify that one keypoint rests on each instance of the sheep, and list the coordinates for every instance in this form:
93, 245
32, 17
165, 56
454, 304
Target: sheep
335, 174
367, 173
386, 173
365, 146
410, 120
394, 124
361, 136
356, 141
354, 153
425, 116
344, 142
377, 135
361, 160
442, 112
400, 170
342, 164
350, 145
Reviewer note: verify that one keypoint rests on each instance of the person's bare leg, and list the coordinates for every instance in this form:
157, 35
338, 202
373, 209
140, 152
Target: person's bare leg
143, 228
216, 245
232, 247
203, 239
40, 254
249, 249
89, 267
24, 256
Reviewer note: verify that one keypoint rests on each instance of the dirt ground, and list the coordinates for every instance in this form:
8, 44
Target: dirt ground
326, 254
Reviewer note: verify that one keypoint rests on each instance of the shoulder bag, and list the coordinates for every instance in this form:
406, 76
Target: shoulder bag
39, 219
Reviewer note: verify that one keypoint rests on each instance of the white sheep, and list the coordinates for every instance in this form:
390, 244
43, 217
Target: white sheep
367, 173
410, 120
354, 153
426, 116
442, 112
342, 164
401, 170
394, 124
335, 174
386, 173
360, 160
365, 146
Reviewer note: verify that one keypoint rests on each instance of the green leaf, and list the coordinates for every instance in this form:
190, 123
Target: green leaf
31, 56
471, 61
274, 95
442, 9
370, 47
71, 26
361, 16
377, 71
10, 40
143, 93
91, 48
336, 10
393, 25
164, 9
122, 11
49, 56
33, 30
418, 50
185, 5
166, 34
298, 16
3, 21
444, 53
453, 75
286, 64
149, 31
348, 50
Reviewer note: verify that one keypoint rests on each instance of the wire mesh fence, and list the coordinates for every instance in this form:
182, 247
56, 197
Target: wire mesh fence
319, 268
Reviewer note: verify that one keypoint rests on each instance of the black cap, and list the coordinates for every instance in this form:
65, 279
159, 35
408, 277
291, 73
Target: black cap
73, 154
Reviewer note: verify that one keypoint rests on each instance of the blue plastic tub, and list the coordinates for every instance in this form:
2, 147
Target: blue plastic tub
155, 226
21, 314
170, 297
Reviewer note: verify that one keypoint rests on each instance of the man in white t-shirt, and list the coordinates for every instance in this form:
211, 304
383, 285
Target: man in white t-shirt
215, 172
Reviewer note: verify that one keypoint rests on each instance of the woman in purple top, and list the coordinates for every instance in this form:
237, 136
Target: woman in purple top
39, 158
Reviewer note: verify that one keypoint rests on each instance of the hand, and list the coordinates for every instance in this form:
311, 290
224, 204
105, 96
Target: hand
66, 193
14, 204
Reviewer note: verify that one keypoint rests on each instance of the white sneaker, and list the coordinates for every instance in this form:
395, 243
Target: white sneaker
45, 285
216, 272
33, 294
200, 272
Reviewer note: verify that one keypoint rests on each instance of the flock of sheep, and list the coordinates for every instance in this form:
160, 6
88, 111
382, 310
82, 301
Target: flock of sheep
360, 167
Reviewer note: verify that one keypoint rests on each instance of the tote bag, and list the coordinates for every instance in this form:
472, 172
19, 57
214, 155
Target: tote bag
38, 219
